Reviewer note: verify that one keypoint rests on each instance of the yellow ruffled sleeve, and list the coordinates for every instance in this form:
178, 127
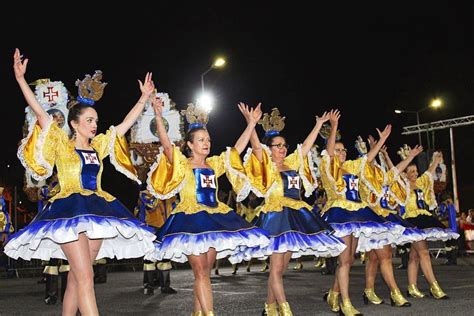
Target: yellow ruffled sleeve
3, 224
166, 179
259, 173
354, 167
109, 144
236, 173
331, 173
426, 184
38, 151
302, 164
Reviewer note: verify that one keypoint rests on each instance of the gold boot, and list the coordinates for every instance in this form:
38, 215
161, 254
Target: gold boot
264, 267
209, 313
437, 292
319, 263
370, 296
348, 309
397, 299
414, 292
332, 298
285, 309
298, 266
270, 309
197, 313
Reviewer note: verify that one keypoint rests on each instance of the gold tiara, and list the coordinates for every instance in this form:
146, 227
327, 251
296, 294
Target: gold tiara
361, 146
404, 151
91, 89
272, 124
325, 131
195, 116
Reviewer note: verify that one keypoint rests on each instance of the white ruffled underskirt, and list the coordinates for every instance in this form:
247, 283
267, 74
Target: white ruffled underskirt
120, 238
371, 235
237, 246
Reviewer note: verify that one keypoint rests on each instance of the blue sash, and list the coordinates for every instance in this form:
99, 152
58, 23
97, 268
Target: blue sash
90, 166
206, 186
420, 201
352, 187
291, 184
384, 198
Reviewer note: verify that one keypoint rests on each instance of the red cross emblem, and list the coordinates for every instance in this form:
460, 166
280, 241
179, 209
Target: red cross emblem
90, 158
208, 181
293, 182
50, 94
354, 184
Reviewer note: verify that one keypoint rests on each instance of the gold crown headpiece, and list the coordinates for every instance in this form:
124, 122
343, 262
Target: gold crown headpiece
272, 124
325, 131
90, 88
361, 146
196, 116
404, 151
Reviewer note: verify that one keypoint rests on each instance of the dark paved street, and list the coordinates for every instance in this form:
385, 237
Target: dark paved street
244, 293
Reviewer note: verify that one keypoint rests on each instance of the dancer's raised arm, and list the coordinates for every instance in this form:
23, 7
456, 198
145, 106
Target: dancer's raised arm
147, 88
19, 67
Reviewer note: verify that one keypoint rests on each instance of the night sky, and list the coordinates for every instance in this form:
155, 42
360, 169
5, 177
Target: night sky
365, 60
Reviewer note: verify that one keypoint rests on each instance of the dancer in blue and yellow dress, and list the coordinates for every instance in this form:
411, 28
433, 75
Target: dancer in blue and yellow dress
6, 227
201, 228
295, 230
353, 221
420, 197
81, 222
154, 213
381, 195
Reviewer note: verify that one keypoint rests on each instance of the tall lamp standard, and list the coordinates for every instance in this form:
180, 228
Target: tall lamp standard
218, 63
436, 103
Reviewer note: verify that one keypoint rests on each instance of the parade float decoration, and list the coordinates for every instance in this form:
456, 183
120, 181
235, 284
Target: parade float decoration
144, 140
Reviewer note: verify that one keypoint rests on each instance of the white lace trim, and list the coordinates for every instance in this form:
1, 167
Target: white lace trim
150, 187
114, 161
368, 184
244, 192
257, 192
403, 181
327, 159
38, 152
431, 190
308, 187
403, 185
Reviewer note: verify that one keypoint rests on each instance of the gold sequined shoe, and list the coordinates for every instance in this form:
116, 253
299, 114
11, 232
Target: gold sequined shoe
414, 292
285, 309
397, 299
197, 313
264, 267
270, 309
437, 292
348, 309
319, 263
298, 267
209, 313
370, 296
332, 298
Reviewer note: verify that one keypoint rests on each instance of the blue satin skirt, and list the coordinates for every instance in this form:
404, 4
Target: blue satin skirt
301, 232
229, 234
62, 220
373, 231
433, 228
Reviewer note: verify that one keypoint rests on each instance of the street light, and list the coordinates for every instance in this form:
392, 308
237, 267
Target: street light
435, 103
218, 63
